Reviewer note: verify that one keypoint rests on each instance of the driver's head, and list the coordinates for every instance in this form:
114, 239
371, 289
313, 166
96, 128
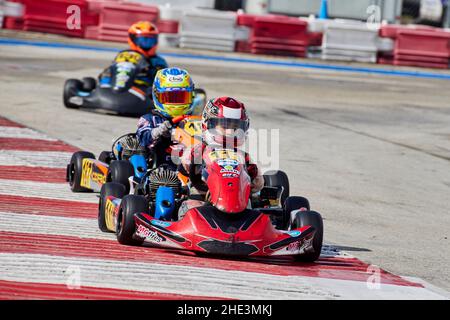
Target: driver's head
143, 38
225, 122
173, 92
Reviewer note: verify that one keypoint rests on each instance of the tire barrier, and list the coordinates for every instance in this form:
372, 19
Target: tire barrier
208, 29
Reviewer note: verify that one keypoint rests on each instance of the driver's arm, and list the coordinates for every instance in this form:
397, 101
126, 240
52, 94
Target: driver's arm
150, 128
257, 180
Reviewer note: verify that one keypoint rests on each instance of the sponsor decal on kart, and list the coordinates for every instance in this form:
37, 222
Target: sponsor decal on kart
148, 234
193, 127
300, 246
228, 171
110, 212
223, 154
224, 163
99, 178
159, 223
229, 175
86, 173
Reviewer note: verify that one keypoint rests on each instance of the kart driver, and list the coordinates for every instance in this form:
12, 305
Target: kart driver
224, 124
143, 42
173, 94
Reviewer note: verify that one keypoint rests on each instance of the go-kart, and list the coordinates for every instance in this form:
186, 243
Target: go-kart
127, 158
229, 223
117, 94
161, 185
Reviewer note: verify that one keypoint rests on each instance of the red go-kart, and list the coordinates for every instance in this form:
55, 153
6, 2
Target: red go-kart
228, 223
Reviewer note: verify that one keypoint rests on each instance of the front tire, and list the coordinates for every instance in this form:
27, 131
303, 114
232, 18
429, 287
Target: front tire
89, 84
120, 171
114, 189
126, 227
314, 219
75, 169
71, 88
291, 204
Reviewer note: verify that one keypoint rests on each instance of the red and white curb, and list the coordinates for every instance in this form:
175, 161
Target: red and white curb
51, 248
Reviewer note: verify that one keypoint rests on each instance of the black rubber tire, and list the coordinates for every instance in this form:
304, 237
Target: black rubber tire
106, 157
108, 189
277, 178
75, 169
126, 227
71, 86
120, 171
89, 84
312, 218
293, 203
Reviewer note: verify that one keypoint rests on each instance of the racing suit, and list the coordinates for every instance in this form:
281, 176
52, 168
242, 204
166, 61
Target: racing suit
154, 133
147, 68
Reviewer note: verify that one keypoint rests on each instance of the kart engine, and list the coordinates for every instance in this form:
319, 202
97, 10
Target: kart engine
130, 146
163, 177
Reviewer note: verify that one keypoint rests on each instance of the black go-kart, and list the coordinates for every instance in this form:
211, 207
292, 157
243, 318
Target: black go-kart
119, 95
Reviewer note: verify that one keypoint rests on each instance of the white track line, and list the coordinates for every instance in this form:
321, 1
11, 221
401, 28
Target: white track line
25, 133
44, 190
62, 226
50, 159
193, 280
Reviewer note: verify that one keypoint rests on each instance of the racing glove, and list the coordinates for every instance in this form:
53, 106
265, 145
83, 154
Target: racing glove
163, 130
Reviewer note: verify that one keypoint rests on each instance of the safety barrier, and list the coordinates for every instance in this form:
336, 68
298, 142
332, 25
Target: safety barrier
208, 29
272, 34
350, 41
115, 18
276, 34
279, 36
418, 46
51, 16
12, 12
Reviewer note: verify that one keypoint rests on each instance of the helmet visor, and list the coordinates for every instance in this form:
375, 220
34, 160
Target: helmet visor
174, 97
225, 124
146, 42
229, 131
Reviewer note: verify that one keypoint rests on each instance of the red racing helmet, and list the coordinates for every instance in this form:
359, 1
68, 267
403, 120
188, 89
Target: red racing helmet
225, 122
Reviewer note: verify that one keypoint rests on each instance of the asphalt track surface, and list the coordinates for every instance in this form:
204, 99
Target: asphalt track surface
370, 151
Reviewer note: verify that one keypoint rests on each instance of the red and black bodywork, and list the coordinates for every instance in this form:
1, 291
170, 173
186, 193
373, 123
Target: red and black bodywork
206, 229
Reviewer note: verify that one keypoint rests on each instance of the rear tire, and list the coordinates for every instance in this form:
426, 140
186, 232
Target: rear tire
126, 226
75, 170
105, 157
89, 84
108, 189
312, 218
277, 178
120, 171
71, 87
